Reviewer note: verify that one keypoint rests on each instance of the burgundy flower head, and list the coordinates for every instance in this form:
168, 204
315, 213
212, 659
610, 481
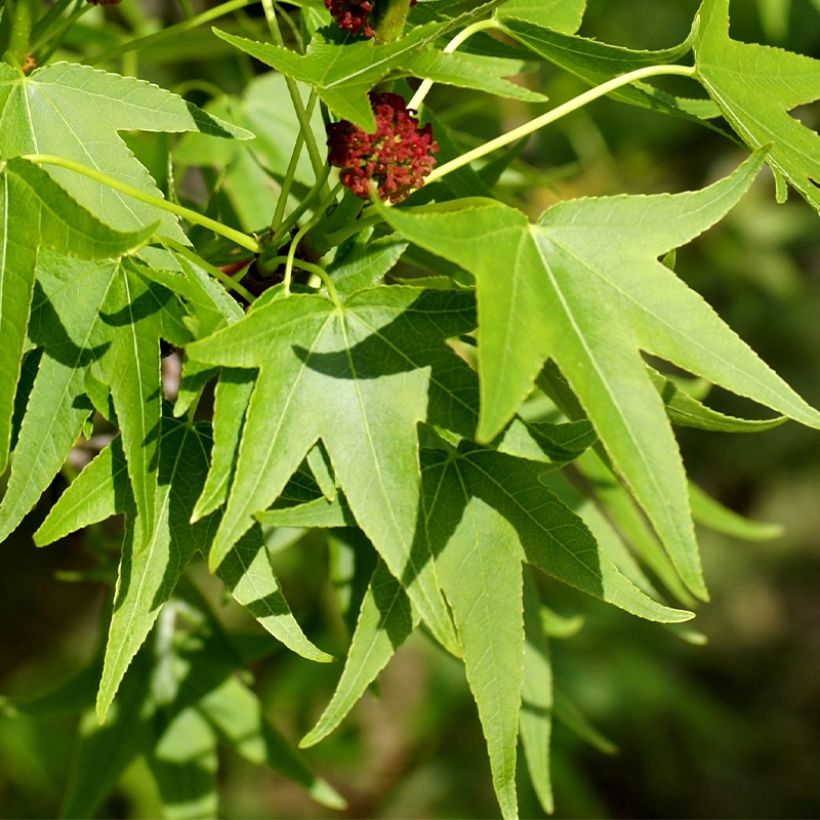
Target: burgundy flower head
103, 2
397, 156
354, 15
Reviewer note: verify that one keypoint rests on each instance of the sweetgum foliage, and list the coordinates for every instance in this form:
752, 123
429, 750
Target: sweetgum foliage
397, 156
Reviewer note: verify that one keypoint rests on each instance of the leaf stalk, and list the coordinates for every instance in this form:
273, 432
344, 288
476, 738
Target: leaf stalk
241, 239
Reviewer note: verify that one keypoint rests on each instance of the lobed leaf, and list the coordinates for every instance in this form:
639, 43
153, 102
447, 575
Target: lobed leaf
590, 265
756, 87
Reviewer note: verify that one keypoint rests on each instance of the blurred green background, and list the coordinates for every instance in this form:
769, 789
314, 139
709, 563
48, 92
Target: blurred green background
729, 729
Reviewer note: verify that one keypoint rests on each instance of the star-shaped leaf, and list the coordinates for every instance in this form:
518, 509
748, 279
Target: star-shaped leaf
484, 513
75, 112
360, 376
36, 214
344, 74
756, 87
584, 287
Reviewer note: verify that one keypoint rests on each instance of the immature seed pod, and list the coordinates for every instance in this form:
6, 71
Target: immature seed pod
397, 156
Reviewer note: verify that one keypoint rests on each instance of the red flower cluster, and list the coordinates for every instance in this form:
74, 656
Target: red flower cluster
354, 15
103, 2
397, 156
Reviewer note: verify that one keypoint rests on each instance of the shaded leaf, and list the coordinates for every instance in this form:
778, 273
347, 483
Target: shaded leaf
378, 357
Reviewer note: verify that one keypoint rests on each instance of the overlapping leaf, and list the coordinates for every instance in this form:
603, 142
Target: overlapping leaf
484, 513
156, 549
75, 112
583, 286
756, 87
360, 376
595, 62
36, 214
344, 74
99, 326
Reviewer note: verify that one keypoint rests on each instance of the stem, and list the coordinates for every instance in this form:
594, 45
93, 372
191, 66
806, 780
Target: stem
223, 277
359, 225
55, 37
291, 257
301, 233
311, 267
20, 30
241, 239
171, 31
290, 174
296, 98
482, 25
47, 20
294, 217
556, 114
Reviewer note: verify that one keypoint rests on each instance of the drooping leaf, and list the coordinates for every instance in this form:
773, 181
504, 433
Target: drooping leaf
595, 62
76, 112
36, 214
756, 87
584, 288
685, 410
710, 513
385, 621
233, 392
535, 723
151, 567
377, 356
239, 718
184, 763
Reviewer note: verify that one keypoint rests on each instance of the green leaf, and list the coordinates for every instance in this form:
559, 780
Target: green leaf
686, 411
76, 112
154, 553
365, 265
712, 514
104, 752
148, 574
551, 537
184, 763
36, 215
485, 513
554, 444
558, 15
568, 714
535, 724
622, 511
344, 74
377, 356
595, 62
480, 570
238, 716
248, 574
385, 621
585, 288
756, 87
232, 394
